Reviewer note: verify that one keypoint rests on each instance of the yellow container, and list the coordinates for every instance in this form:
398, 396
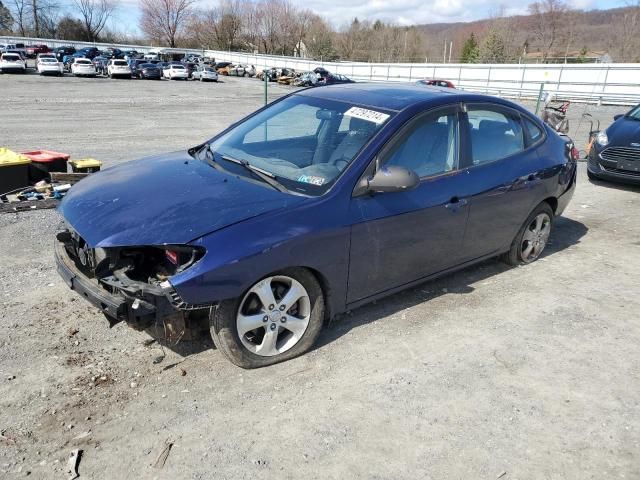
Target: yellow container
14, 171
9, 158
85, 165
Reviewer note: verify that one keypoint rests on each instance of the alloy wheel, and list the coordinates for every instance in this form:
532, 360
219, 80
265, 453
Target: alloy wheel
535, 237
273, 315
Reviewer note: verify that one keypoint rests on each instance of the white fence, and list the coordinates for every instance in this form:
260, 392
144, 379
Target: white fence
613, 83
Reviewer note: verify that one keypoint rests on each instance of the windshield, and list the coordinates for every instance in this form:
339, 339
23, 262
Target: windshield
305, 142
177, 67
83, 62
635, 113
120, 63
48, 60
11, 58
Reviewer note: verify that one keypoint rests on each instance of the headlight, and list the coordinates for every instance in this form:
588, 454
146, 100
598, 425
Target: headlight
602, 138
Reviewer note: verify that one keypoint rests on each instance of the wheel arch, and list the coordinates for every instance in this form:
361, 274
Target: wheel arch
552, 202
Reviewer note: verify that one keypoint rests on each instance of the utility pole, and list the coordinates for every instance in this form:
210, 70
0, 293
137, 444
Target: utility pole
450, 48
444, 55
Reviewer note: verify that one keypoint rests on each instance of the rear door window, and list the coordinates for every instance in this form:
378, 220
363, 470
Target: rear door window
496, 133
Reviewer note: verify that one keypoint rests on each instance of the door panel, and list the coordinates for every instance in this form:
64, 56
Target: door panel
503, 177
402, 237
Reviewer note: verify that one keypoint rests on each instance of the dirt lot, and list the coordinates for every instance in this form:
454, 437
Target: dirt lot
494, 372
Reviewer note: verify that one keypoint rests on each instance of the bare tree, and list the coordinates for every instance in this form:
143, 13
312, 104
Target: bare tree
95, 14
629, 32
548, 17
164, 20
21, 15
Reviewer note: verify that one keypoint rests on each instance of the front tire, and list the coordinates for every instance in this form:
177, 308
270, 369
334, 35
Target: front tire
278, 318
532, 238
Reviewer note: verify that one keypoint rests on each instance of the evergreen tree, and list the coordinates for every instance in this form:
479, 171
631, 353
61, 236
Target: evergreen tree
492, 49
6, 20
470, 50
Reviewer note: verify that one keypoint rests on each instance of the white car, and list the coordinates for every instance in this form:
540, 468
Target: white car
175, 71
152, 56
12, 62
205, 74
46, 65
46, 55
118, 68
83, 67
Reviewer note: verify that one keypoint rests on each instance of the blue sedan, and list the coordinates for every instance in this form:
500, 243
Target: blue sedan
315, 204
615, 154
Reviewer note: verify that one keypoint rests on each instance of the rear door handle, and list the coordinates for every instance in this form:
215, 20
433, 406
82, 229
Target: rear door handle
455, 203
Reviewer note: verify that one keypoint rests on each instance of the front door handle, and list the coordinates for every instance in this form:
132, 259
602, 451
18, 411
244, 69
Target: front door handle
455, 203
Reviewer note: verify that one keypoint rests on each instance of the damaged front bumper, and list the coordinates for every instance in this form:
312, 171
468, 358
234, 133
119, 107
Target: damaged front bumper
139, 304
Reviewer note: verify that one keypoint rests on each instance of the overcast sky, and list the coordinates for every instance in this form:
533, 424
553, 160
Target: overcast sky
402, 12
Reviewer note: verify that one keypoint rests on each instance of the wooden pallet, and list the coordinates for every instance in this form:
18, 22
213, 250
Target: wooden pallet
28, 205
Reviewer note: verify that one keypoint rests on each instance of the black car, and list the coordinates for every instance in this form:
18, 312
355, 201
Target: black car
61, 52
134, 65
149, 71
615, 154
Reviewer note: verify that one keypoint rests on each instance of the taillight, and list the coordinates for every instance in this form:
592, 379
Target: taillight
575, 154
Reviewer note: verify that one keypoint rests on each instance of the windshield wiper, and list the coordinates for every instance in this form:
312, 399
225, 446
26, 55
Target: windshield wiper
267, 177
208, 156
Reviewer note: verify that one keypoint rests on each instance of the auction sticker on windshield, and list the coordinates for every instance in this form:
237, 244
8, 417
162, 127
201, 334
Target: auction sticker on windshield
366, 114
311, 179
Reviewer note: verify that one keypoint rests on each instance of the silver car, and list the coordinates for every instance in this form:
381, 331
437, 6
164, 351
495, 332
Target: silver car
205, 74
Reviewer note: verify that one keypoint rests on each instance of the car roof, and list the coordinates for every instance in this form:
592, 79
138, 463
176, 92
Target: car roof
396, 96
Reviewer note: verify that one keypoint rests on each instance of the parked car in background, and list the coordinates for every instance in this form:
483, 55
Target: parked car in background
152, 55
18, 52
223, 68
100, 63
17, 48
205, 74
113, 52
149, 71
49, 66
250, 71
33, 50
12, 63
434, 82
83, 67
236, 70
132, 55
174, 71
46, 55
615, 154
334, 79
134, 64
118, 68
357, 192
306, 79
272, 74
62, 52
88, 52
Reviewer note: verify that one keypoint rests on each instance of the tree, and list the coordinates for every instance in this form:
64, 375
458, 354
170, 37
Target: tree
6, 19
70, 28
470, 50
549, 17
164, 20
94, 14
492, 49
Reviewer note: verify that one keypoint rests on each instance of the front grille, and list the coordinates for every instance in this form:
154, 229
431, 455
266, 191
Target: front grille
615, 154
620, 171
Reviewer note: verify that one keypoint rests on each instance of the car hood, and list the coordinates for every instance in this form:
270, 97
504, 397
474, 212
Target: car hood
623, 132
168, 199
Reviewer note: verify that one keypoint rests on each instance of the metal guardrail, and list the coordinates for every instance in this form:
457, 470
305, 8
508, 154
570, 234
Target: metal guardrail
599, 83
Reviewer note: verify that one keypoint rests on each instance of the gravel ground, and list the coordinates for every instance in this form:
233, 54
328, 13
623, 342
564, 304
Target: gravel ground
493, 372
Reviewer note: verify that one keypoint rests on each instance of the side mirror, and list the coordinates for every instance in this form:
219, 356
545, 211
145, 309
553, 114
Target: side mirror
388, 178
616, 117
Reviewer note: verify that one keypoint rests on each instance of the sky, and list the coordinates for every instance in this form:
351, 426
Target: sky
401, 12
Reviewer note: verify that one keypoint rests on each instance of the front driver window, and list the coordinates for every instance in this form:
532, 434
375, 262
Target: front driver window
429, 147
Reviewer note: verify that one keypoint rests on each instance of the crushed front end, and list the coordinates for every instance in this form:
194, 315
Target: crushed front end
129, 284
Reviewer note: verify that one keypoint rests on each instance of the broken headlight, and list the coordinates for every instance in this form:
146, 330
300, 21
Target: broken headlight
156, 264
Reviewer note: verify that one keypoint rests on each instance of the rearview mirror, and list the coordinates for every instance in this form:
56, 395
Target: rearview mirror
389, 178
616, 117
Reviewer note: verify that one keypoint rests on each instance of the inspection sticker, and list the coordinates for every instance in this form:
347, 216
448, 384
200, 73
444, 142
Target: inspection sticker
368, 115
311, 179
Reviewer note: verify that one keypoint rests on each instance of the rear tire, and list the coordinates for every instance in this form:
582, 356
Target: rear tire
274, 331
532, 238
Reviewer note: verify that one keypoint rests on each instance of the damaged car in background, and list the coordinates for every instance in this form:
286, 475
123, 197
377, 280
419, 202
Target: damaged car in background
318, 203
